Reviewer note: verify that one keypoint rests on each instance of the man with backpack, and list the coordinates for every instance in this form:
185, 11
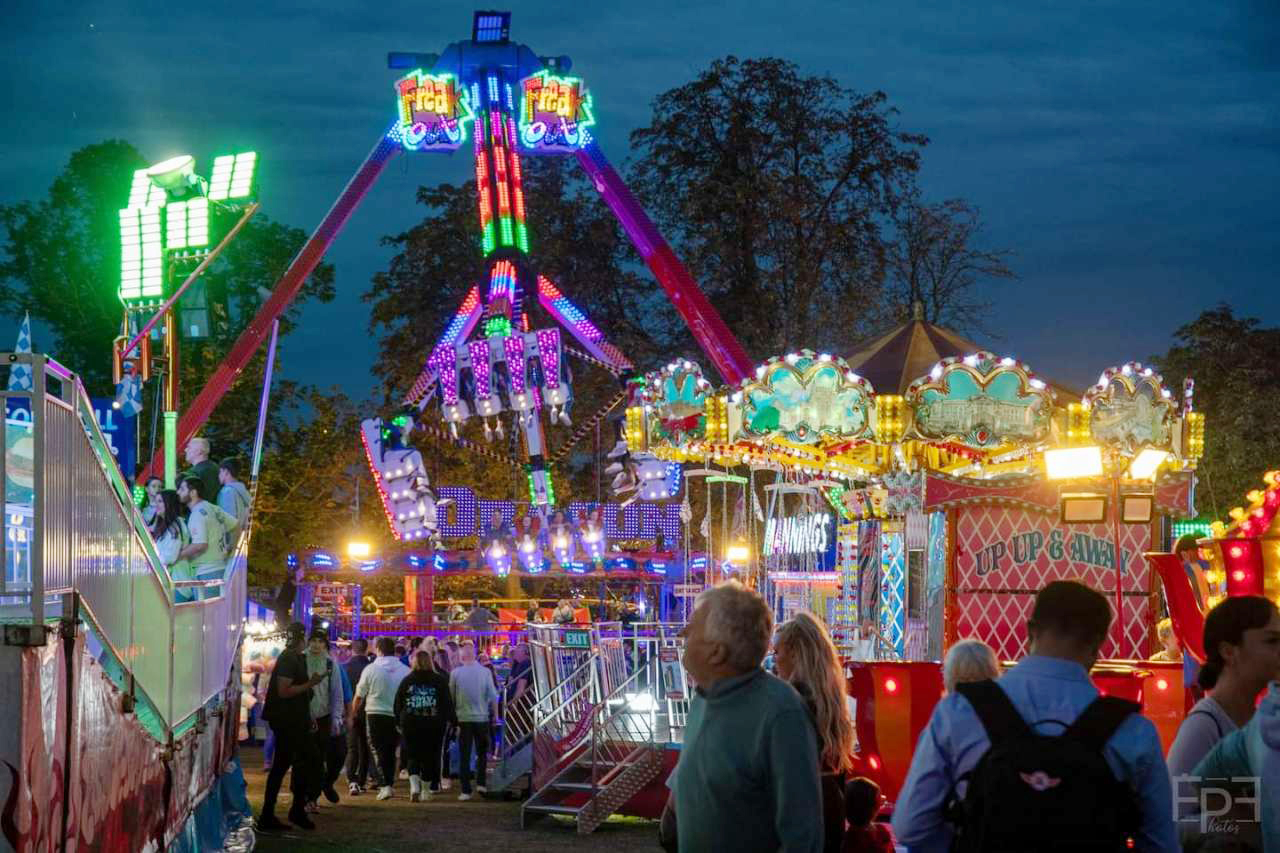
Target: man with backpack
1038, 760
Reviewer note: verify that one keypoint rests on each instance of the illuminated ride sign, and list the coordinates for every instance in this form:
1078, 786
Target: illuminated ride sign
555, 113
434, 111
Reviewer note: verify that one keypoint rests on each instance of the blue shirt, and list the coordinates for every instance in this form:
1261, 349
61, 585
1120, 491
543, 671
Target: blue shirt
1049, 693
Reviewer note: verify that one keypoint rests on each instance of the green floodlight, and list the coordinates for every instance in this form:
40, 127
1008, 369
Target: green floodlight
144, 193
232, 176
187, 224
141, 254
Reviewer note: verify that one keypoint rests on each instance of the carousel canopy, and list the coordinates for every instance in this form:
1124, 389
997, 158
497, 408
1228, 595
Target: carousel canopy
894, 360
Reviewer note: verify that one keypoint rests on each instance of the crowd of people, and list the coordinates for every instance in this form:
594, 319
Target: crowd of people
1031, 759
379, 717
195, 525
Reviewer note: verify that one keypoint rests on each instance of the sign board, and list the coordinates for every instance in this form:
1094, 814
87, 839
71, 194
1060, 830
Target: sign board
576, 640
803, 535
673, 680
1003, 556
555, 113
331, 597
686, 590
433, 111
120, 432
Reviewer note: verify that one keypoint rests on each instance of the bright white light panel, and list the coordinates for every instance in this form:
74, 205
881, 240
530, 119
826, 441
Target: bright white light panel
141, 254
143, 193
232, 176
187, 224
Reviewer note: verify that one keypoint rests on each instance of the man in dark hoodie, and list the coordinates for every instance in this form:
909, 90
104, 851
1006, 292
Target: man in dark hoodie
424, 708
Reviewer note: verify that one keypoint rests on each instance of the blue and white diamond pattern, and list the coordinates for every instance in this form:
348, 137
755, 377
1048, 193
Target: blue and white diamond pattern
20, 374
893, 590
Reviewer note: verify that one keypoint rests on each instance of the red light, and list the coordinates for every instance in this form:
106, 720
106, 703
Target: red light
874, 762
890, 685
1102, 693
1237, 575
1162, 684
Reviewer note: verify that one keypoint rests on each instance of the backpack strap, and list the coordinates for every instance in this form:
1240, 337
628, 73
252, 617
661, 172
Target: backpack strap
995, 710
1098, 722
1217, 725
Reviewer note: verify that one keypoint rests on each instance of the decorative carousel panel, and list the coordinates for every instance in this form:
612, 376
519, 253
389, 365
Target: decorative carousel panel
676, 399
805, 397
1130, 408
982, 401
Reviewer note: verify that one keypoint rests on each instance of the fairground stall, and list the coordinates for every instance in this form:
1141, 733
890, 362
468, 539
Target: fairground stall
958, 483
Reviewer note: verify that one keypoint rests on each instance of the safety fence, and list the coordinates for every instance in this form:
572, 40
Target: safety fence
76, 547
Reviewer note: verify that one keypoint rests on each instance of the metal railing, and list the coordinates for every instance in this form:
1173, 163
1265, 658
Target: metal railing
87, 544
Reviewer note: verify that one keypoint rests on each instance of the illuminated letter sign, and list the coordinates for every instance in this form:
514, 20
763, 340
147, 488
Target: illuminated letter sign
554, 114
434, 111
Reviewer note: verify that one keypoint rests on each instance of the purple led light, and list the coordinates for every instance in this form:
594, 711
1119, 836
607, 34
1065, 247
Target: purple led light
636, 521
565, 311
549, 354
480, 368
444, 361
513, 348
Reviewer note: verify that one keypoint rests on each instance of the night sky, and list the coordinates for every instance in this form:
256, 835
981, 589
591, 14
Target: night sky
1129, 152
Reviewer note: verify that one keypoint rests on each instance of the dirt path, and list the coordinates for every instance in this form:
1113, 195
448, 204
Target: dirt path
483, 826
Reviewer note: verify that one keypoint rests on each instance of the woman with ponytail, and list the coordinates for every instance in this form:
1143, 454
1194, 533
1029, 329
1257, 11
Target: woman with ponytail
1242, 653
806, 657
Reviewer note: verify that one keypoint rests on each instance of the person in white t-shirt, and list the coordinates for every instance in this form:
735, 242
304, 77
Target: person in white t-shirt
211, 530
376, 696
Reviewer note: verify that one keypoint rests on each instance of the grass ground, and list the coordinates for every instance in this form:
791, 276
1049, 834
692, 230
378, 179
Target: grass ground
444, 824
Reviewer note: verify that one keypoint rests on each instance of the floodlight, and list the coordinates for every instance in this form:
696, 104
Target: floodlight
141, 254
232, 176
358, 550
1083, 508
143, 193
738, 554
1146, 463
187, 224
1137, 509
176, 173
1067, 463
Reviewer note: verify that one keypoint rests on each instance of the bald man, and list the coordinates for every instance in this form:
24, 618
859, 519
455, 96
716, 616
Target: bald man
197, 455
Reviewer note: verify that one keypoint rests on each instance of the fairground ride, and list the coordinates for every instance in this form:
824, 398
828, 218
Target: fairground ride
499, 353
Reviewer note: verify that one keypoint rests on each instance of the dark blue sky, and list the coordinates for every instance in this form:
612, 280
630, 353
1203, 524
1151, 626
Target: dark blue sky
1128, 152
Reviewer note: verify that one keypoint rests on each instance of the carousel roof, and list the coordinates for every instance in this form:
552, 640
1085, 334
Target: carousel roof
894, 360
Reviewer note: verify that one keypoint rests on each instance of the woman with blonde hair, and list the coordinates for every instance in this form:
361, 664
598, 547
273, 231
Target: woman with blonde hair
968, 661
805, 657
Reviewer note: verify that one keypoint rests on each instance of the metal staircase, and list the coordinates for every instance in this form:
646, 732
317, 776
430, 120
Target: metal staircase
593, 750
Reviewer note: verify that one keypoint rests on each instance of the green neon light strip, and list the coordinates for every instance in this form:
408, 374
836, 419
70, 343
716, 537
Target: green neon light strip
522, 237
508, 236
1199, 528
490, 242
726, 478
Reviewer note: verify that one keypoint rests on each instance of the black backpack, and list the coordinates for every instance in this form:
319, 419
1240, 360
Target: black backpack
1034, 792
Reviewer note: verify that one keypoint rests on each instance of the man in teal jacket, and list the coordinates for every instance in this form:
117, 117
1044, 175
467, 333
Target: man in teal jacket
747, 780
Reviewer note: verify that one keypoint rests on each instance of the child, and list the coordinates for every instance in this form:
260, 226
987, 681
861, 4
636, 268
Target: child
862, 802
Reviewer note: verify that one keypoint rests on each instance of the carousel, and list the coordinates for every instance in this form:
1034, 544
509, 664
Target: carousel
923, 490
